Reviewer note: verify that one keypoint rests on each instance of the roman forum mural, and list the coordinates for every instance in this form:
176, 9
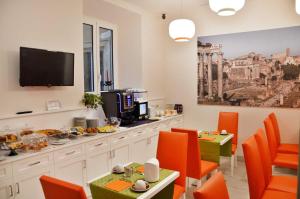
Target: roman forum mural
256, 69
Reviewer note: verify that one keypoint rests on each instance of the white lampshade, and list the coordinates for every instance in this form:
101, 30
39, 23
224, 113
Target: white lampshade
226, 7
182, 30
298, 7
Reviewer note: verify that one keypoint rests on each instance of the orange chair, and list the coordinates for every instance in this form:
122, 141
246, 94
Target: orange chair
196, 168
229, 121
172, 154
257, 183
280, 183
282, 148
208, 190
279, 159
54, 188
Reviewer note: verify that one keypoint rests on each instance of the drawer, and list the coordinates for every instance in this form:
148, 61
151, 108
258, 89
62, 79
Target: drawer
5, 171
96, 145
119, 139
69, 153
30, 165
140, 132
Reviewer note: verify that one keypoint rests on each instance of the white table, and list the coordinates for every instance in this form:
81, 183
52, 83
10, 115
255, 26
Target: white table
154, 190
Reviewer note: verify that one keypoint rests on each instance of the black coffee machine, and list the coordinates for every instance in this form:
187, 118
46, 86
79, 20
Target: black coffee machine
120, 104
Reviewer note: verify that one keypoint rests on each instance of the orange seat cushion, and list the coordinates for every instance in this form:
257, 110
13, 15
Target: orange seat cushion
207, 167
283, 183
178, 191
288, 148
286, 160
271, 194
233, 148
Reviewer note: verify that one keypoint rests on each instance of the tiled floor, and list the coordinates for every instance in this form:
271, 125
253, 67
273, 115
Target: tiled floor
238, 184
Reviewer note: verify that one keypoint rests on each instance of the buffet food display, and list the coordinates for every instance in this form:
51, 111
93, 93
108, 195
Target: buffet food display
36, 140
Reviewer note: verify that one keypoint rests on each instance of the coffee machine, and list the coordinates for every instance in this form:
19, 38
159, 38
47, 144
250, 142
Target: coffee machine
120, 104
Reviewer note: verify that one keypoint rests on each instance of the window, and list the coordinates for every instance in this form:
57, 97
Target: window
106, 59
99, 59
88, 56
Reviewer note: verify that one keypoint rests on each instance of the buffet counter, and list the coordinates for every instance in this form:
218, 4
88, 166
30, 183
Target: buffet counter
82, 159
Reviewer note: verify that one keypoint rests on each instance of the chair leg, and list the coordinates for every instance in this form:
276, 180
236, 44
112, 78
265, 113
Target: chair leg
232, 164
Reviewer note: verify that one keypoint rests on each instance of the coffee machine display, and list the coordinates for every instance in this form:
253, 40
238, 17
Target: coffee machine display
141, 103
120, 104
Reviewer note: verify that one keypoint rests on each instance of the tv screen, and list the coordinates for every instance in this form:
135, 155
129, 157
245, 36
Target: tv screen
46, 68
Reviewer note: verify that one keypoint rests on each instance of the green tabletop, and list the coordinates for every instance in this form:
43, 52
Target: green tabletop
99, 191
211, 150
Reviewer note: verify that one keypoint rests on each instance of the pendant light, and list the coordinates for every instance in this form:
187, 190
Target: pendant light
182, 30
298, 7
226, 7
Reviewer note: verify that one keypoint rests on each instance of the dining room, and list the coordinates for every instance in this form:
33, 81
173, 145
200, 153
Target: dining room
140, 99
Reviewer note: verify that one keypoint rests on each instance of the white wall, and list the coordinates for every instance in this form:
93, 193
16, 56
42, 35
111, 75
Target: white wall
49, 24
181, 66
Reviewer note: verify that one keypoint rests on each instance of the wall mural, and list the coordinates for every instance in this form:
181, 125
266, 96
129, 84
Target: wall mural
256, 69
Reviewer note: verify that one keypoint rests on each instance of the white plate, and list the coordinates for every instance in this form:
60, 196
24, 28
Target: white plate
139, 190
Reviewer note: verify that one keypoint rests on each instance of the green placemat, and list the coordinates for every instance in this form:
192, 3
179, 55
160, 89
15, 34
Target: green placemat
99, 191
212, 150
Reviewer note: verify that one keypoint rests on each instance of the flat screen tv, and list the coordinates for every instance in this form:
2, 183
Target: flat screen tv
46, 68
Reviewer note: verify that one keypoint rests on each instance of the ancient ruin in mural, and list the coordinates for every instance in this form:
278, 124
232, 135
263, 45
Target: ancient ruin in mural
246, 69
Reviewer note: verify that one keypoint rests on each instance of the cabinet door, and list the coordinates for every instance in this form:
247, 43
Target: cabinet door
6, 189
120, 149
71, 171
139, 151
29, 187
152, 146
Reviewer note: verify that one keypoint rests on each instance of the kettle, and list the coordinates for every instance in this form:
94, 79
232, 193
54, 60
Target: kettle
151, 170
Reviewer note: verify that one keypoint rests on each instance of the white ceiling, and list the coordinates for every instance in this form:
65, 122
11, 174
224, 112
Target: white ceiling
168, 6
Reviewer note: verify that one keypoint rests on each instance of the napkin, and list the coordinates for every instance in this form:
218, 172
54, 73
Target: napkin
118, 185
207, 139
140, 169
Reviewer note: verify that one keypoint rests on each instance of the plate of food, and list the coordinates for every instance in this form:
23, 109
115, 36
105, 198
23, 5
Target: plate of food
106, 129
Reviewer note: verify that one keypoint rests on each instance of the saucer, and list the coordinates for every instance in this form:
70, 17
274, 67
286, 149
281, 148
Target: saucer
140, 190
117, 172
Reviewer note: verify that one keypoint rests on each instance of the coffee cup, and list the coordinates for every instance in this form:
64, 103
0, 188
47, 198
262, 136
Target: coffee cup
223, 132
140, 185
118, 168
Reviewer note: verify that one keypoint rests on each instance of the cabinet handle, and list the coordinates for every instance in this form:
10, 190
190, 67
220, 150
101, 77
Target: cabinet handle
121, 138
70, 153
100, 144
11, 191
114, 153
35, 163
149, 141
18, 188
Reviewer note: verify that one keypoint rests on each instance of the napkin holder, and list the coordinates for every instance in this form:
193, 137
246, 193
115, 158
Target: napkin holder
151, 170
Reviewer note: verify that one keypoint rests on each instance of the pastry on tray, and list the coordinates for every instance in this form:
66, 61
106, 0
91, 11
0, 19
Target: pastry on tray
49, 132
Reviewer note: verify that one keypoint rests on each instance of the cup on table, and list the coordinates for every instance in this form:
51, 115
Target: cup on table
140, 185
118, 168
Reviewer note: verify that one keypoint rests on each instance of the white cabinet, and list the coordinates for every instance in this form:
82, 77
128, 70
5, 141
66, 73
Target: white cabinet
28, 187
6, 189
26, 183
152, 146
120, 149
70, 164
97, 159
139, 145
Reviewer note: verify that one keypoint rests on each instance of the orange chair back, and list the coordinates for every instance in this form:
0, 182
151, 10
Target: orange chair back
194, 154
54, 188
254, 168
271, 137
262, 144
215, 187
172, 153
273, 118
229, 121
